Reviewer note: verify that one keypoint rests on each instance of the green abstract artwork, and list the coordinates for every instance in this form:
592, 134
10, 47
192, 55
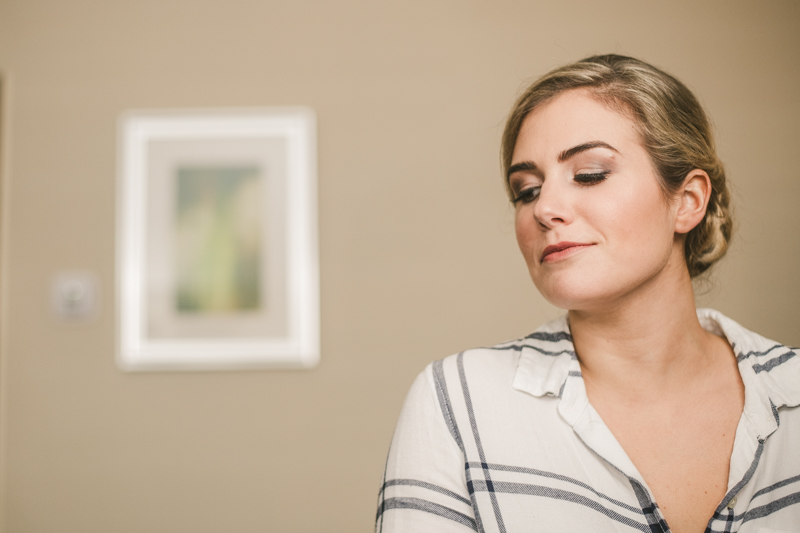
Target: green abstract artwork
218, 239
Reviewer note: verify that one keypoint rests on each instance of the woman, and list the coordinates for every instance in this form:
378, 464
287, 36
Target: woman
635, 411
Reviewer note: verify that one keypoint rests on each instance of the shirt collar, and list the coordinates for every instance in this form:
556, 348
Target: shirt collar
547, 360
770, 370
546, 357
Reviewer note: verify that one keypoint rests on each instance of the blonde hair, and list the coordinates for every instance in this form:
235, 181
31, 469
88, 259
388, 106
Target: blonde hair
674, 130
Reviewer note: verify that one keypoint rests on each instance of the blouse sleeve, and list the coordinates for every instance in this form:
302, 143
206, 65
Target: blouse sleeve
424, 486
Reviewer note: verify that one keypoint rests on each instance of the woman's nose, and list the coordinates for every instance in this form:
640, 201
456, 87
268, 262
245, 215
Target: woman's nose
553, 206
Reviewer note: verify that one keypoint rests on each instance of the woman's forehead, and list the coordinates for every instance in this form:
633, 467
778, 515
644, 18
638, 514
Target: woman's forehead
570, 119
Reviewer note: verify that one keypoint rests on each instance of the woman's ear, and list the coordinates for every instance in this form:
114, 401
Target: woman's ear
692, 200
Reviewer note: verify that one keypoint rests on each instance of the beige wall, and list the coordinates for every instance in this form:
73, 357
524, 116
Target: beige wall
417, 250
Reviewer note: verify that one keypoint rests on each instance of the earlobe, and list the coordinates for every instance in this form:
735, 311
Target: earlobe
692, 200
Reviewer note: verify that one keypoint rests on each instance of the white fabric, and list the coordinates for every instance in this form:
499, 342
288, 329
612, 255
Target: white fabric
504, 439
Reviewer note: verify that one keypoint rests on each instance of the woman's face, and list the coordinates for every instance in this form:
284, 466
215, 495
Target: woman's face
591, 219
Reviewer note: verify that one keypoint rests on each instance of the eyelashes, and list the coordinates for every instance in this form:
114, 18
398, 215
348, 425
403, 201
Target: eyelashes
592, 178
526, 195
532, 193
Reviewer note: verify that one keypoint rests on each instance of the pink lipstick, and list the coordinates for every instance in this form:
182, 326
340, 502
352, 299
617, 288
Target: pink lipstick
555, 252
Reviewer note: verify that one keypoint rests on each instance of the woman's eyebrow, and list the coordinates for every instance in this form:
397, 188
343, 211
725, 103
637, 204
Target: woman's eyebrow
575, 150
525, 166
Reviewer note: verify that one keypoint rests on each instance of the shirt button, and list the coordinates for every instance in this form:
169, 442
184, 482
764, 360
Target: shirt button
732, 503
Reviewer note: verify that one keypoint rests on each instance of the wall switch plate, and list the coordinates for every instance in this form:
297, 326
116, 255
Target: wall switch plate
75, 295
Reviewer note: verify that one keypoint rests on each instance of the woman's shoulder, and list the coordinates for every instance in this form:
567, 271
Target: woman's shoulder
509, 364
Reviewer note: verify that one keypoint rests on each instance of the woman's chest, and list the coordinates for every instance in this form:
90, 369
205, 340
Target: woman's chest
682, 451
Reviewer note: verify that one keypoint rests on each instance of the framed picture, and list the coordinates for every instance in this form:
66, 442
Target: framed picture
217, 240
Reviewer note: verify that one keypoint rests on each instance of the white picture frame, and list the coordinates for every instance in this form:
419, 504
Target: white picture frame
217, 254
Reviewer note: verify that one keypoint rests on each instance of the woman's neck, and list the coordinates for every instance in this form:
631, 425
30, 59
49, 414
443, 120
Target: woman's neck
649, 342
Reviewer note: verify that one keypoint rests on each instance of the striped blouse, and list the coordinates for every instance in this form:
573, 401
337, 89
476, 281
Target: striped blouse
503, 439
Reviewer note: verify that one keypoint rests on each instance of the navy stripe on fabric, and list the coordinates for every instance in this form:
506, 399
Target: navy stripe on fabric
559, 494
656, 524
771, 507
775, 414
452, 425
743, 356
444, 403
468, 403
728, 518
729, 522
550, 337
381, 496
430, 507
553, 475
736, 488
772, 363
777, 485
425, 485
520, 347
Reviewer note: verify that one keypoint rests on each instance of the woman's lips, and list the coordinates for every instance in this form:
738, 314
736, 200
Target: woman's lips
554, 252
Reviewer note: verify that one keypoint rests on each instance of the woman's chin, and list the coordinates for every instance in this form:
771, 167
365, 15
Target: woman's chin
574, 296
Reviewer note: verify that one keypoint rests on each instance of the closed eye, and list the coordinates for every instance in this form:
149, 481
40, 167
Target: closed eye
591, 178
526, 196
